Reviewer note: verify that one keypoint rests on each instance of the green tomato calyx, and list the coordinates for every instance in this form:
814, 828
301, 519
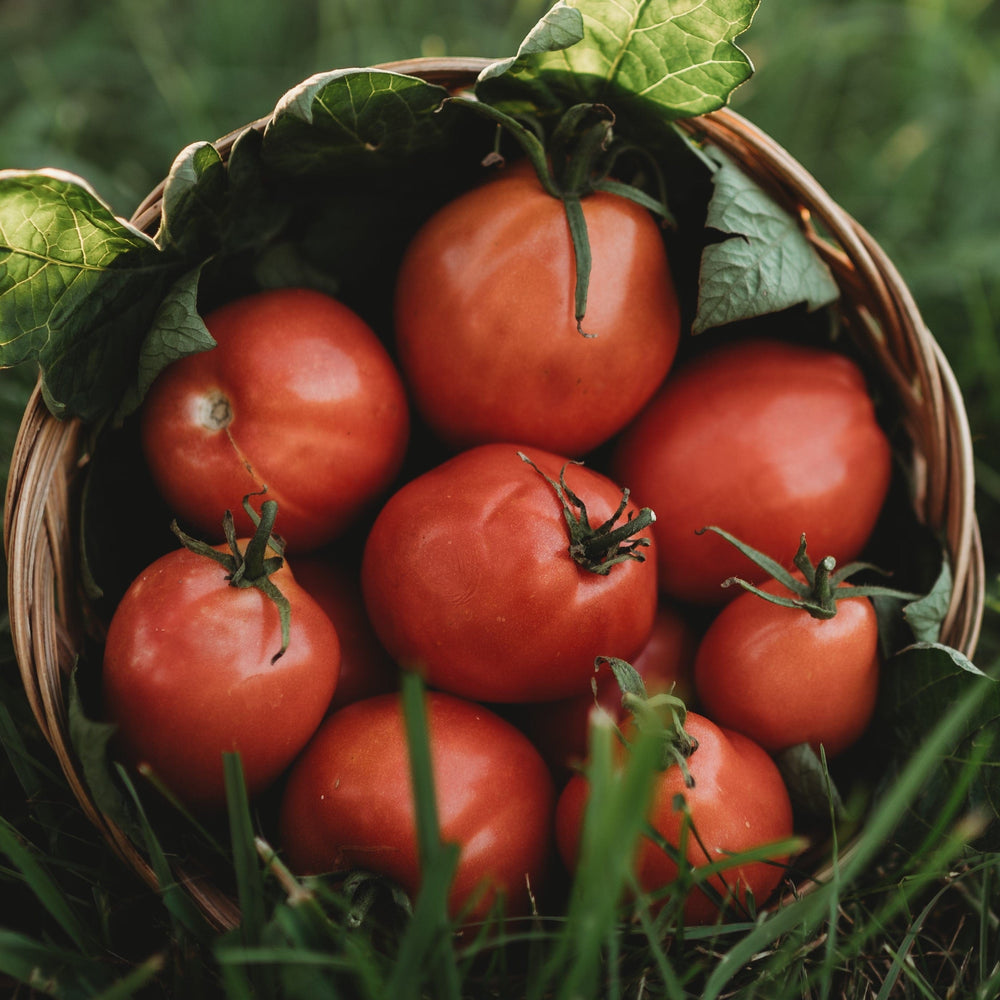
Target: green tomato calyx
598, 549
661, 716
821, 587
572, 163
251, 566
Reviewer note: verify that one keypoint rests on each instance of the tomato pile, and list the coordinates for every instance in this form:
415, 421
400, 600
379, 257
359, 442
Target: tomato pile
559, 525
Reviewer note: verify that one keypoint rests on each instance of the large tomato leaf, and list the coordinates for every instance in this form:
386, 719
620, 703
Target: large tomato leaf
354, 121
175, 331
764, 264
193, 195
674, 57
919, 685
76, 282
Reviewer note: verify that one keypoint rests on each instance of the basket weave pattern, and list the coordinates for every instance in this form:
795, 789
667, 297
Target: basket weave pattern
42, 496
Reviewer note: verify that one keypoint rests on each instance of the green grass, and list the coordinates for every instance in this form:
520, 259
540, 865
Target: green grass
895, 107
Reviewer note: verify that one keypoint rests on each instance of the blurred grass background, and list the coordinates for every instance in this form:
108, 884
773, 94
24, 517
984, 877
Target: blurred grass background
893, 105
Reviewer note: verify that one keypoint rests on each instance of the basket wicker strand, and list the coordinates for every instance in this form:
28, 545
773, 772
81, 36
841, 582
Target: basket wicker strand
879, 310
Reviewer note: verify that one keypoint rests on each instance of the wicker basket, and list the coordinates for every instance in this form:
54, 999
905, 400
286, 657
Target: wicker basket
42, 497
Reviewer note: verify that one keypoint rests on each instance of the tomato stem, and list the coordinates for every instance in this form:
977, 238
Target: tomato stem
251, 566
662, 715
572, 165
821, 589
598, 549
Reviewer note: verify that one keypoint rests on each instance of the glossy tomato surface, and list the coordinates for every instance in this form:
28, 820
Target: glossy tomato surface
299, 396
366, 669
782, 677
738, 802
348, 803
468, 579
485, 325
189, 673
767, 440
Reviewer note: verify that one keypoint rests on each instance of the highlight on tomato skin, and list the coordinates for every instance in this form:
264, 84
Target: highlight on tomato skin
348, 802
738, 802
299, 396
485, 327
769, 438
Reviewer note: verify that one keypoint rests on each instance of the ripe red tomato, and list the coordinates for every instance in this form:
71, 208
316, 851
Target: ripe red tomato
485, 325
782, 677
189, 674
299, 396
738, 802
665, 664
765, 439
468, 578
366, 669
348, 803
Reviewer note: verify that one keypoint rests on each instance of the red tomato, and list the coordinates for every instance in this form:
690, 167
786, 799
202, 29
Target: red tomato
366, 669
559, 729
767, 440
782, 677
299, 396
485, 325
349, 803
189, 674
468, 579
738, 802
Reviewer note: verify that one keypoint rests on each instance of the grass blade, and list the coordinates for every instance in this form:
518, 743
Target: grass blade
427, 941
807, 912
44, 886
185, 916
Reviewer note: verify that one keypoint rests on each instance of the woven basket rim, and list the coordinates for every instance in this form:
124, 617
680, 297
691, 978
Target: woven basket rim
38, 518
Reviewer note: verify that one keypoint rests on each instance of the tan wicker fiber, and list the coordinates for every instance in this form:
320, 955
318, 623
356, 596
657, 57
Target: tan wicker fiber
42, 497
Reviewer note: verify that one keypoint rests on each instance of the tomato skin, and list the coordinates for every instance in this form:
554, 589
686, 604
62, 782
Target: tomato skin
366, 669
485, 326
665, 664
782, 677
738, 802
767, 440
318, 413
468, 579
348, 802
188, 675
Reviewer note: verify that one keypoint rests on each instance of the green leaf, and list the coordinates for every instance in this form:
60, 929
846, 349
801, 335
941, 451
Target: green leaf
176, 331
765, 264
78, 287
353, 120
560, 27
91, 740
674, 57
926, 615
193, 196
919, 685
808, 780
